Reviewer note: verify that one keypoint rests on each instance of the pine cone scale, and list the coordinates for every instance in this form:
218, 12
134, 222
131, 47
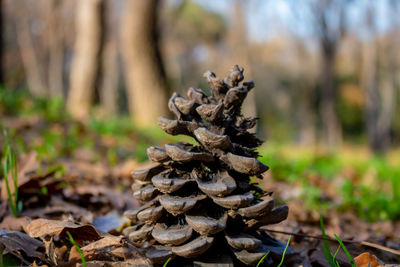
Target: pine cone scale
200, 195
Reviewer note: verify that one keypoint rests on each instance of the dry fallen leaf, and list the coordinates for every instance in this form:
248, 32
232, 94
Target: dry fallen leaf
27, 164
108, 249
17, 242
44, 227
57, 206
129, 263
12, 223
366, 260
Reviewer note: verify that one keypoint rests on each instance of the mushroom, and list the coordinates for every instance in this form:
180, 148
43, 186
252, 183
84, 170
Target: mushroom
206, 224
212, 140
150, 215
178, 205
258, 210
216, 185
194, 248
157, 154
179, 152
234, 201
243, 241
171, 235
167, 184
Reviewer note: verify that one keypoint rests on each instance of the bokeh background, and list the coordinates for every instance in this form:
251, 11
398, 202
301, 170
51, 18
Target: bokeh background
95, 74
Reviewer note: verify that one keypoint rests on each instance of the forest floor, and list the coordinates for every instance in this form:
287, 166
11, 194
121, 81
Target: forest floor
74, 185
87, 200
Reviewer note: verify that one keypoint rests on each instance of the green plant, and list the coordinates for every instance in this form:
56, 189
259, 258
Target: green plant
284, 252
165, 264
10, 168
345, 251
263, 258
71, 239
326, 249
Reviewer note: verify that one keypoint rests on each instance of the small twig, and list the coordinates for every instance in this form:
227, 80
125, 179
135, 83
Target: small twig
364, 243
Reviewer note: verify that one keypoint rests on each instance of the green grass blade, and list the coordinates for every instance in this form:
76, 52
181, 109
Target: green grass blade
77, 248
263, 258
14, 175
10, 167
284, 251
334, 257
10, 196
326, 249
346, 251
165, 264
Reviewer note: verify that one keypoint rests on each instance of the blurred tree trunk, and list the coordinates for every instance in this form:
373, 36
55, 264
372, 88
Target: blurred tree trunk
144, 72
109, 82
109, 85
379, 89
240, 55
331, 128
303, 98
33, 68
330, 33
85, 67
56, 48
1, 43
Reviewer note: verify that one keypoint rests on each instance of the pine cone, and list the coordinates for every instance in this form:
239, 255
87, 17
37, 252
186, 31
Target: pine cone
200, 195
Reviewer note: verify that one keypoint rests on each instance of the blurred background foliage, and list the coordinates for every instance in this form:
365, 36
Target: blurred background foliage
96, 74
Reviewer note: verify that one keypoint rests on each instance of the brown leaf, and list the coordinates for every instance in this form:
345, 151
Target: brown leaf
366, 260
57, 206
27, 164
109, 248
44, 227
142, 262
12, 223
16, 242
107, 241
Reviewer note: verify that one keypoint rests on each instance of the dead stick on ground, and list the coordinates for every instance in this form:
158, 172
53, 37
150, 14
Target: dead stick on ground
364, 243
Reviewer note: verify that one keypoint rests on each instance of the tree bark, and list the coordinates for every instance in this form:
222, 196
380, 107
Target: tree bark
33, 68
240, 54
85, 68
143, 66
379, 89
110, 67
56, 49
109, 85
331, 130
1, 43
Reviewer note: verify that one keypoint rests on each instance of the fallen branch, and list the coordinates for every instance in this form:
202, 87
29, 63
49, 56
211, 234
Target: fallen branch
364, 243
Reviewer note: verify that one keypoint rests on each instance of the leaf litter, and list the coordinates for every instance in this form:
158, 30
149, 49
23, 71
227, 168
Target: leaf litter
88, 198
